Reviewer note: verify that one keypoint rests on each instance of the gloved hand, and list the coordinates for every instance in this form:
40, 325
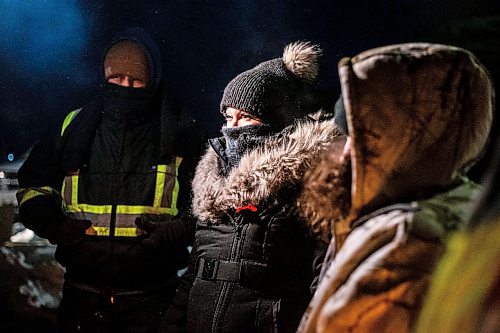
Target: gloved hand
68, 231
167, 238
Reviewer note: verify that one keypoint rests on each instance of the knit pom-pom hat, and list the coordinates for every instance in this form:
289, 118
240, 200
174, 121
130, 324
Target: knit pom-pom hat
277, 91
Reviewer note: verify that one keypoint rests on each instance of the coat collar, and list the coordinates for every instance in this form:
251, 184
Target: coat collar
280, 161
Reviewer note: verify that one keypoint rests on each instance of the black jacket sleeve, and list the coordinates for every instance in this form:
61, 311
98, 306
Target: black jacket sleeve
41, 170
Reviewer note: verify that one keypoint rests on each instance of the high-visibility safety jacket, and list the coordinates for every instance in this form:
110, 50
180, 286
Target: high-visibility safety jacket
161, 189
120, 176
111, 216
82, 188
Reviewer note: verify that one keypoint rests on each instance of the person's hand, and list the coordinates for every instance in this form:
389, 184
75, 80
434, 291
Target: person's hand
168, 238
69, 231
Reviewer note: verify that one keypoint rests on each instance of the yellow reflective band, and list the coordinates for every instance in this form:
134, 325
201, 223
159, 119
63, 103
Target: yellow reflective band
178, 161
126, 232
98, 231
96, 209
25, 194
74, 190
119, 232
175, 192
68, 119
121, 209
144, 210
161, 169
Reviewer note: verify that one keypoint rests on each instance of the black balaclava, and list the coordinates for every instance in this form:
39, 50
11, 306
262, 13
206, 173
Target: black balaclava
128, 103
239, 140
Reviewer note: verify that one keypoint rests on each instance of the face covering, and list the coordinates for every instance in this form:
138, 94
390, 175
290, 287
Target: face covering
126, 103
240, 140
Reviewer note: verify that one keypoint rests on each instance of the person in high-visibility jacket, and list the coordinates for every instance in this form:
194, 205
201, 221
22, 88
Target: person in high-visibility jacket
111, 189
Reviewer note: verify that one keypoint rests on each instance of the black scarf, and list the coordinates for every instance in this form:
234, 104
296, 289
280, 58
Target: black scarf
240, 140
74, 147
127, 103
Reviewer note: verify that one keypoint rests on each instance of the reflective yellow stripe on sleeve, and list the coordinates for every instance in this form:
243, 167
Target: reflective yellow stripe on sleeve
26, 194
68, 119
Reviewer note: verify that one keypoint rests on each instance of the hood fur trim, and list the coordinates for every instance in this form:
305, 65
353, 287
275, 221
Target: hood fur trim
302, 59
280, 161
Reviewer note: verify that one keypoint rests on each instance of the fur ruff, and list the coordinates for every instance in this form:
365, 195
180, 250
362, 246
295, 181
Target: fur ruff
262, 172
302, 59
325, 197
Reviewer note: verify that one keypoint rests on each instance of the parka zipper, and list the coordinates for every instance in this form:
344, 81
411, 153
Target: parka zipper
116, 181
239, 228
227, 287
114, 201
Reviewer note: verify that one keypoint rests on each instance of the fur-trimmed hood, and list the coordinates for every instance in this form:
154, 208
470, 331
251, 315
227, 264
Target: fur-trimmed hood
280, 161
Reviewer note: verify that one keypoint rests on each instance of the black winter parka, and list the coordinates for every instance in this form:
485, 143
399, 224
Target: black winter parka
254, 263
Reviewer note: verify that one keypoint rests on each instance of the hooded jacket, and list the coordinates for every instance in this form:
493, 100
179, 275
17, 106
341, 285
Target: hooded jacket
471, 265
418, 116
111, 165
255, 261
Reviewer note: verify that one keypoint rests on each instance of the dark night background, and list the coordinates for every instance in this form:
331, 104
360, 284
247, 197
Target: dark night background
51, 49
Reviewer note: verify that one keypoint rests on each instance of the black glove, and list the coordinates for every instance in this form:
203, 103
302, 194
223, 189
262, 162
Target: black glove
163, 235
168, 238
68, 231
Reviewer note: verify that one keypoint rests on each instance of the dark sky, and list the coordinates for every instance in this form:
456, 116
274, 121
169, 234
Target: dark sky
50, 49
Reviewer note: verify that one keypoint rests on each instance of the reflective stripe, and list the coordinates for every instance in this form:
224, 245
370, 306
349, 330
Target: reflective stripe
74, 190
25, 194
95, 209
119, 232
125, 224
160, 184
164, 203
175, 192
68, 119
70, 190
120, 209
102, 220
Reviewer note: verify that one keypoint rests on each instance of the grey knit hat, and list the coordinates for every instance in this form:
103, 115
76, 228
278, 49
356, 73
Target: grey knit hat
277, 91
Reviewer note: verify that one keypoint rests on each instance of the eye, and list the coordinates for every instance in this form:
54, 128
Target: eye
138, 83
115, 78
246, 116
228, 116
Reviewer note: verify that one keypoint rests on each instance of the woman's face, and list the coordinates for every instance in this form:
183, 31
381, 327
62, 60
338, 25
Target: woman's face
237, 118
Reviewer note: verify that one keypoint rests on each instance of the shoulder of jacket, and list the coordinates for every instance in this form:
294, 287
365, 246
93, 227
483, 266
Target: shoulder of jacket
69, 118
